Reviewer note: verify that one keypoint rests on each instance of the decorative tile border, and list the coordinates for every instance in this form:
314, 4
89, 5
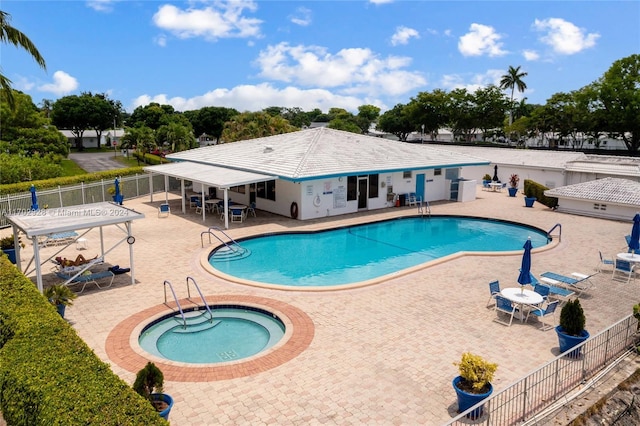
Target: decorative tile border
122, 343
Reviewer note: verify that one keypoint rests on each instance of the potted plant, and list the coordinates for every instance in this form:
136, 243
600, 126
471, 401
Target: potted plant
571, 330
119, 198
7, 244
486, 178
529, 199
60, 296
474, 382
149, 383
514, 180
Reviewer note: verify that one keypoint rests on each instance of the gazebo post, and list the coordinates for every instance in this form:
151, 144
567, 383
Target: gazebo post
129, 236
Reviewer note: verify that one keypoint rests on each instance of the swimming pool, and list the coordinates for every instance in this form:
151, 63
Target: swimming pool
234, 333
364, 252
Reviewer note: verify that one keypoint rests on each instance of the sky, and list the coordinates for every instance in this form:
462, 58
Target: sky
250, 55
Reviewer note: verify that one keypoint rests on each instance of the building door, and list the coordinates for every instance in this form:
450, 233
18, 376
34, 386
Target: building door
363, 185
420, 187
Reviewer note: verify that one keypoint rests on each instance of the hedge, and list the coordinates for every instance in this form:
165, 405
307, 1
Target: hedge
48, 375
14, 188
534, 189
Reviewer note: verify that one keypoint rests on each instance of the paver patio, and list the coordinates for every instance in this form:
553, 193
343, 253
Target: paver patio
381, 354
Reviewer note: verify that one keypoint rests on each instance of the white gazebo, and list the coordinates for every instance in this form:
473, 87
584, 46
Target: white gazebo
47, 222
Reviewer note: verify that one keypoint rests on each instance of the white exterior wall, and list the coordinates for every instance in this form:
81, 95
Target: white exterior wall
596, 209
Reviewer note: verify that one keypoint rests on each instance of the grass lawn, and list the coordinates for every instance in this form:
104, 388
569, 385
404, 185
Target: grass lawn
70, 168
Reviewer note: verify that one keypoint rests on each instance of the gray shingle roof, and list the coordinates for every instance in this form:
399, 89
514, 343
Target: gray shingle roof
323, 152
520, 157
609, 190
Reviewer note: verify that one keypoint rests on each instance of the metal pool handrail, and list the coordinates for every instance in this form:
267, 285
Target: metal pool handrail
215, 228
557, 225
206, 305
184, 319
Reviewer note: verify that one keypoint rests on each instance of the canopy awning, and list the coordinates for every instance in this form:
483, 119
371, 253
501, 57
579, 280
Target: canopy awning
42, 222
212, 176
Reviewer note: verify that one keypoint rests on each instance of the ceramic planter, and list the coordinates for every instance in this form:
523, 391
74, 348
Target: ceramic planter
11, 254
467, 400
528, 201
512, 191
567, 342
165, 398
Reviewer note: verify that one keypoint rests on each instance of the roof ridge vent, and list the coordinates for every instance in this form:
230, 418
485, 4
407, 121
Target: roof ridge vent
268, 148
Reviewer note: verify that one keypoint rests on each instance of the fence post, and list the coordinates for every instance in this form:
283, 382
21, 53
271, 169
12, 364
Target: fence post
137, 185
60, 195
82, 191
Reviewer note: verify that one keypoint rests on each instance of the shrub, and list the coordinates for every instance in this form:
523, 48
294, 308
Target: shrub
534, 189
476, 372
572, 319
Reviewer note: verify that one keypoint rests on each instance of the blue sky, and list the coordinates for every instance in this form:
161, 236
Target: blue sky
250, 55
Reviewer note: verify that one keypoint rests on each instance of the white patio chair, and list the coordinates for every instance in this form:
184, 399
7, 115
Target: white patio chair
624, 268
504, 306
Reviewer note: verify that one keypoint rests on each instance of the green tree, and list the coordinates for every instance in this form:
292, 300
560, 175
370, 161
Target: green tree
490, 108
69, 113
429, 109
367, 115
512, 80
16, 168
175, 136
210, 120
11, 35
462, 114
618, 93
397, 121
141, 138
152, 115
251, 125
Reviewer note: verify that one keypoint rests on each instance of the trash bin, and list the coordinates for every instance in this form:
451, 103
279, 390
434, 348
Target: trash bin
403, 200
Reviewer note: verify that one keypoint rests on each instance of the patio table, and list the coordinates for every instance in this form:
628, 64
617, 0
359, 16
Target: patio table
522, 297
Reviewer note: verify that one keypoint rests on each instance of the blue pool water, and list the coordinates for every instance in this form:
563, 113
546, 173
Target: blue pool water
234, 333
359, 253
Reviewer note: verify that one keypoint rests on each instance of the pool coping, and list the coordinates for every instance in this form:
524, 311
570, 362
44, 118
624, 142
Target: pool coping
123, 349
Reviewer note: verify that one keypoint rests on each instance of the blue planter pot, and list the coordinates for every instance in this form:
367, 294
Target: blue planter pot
528, 201
61, 308
567, 342
166, 398
512, 191
11, 254
467, 400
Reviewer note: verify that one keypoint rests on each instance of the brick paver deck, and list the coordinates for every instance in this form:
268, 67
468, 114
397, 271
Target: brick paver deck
380, 354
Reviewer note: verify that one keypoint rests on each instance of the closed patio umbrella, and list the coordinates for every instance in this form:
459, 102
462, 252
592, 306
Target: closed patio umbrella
634, 242
34, 198
495, 173
525, 269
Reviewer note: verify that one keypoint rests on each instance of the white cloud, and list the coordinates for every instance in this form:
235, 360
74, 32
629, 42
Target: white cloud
564, 37
354, 70
62, 84
160, 40
481, 40
403, 35
471, 82
530, 55
302, 17
220, 20
258, 97
101, 5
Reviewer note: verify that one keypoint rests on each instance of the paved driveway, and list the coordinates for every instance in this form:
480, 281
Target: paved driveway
96, 161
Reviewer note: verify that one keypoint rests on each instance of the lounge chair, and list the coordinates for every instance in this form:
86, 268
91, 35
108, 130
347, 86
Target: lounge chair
625, 268
84, 279
412, 199
577, 282
555, 291
58, 239
504, 306
541, 313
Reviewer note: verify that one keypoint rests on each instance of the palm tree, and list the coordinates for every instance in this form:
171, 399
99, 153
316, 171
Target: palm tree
511, 80
8, 34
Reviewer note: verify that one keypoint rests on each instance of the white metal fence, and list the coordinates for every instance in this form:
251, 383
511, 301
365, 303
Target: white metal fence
85, 193
523, 400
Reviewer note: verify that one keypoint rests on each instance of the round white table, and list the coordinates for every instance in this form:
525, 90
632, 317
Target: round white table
521, 297
629, 257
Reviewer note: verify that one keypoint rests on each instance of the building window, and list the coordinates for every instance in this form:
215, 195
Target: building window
352, 188
266, 190
239, 189
406, 175
373, 186
437, 172
597, 206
